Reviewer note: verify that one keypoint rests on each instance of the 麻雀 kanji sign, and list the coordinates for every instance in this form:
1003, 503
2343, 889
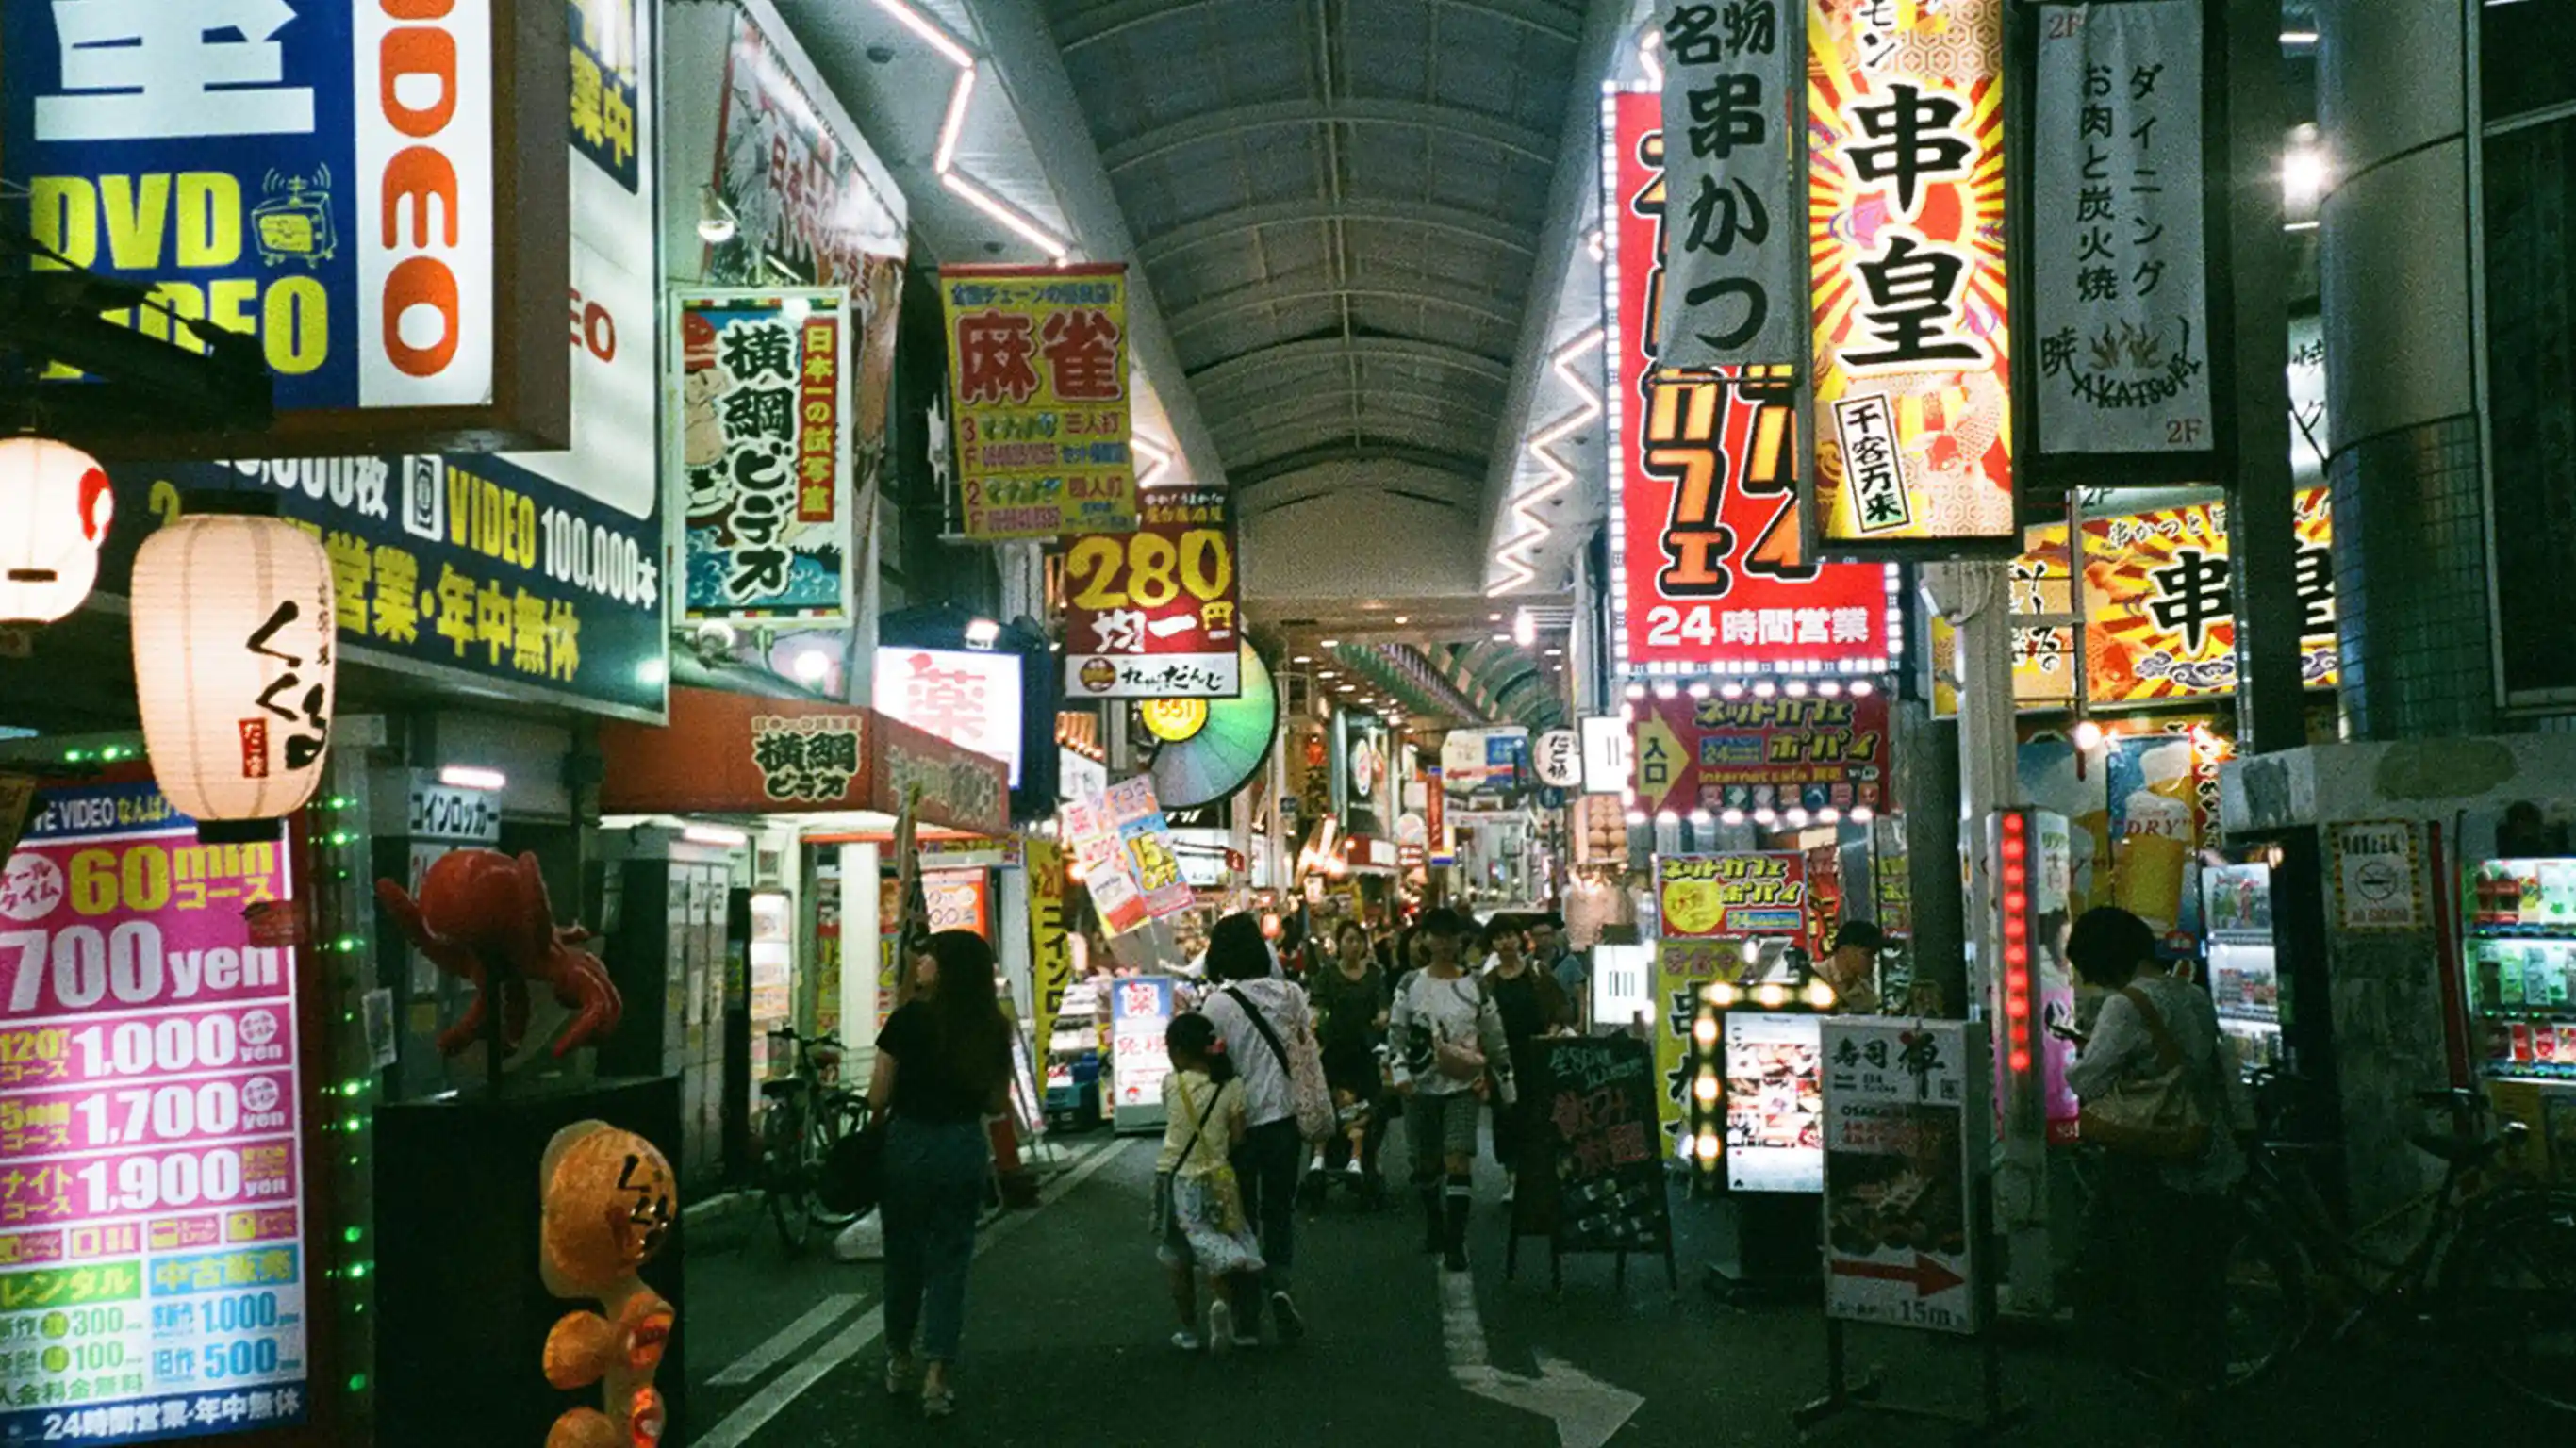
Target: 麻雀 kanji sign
1037, 381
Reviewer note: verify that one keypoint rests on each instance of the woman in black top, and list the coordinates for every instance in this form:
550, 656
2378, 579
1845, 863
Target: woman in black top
1351, 1001
943, 1065
1532, 1005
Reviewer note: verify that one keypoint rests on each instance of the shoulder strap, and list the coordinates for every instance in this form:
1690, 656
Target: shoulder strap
1261, 1023
2168, 1050
1204, 1113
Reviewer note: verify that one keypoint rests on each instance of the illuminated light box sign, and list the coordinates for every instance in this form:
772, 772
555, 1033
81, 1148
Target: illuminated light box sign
1711, 573
972, 700
1905, 204
151, 1202
1775, 1103
1037, 380
352, 183
1754, 755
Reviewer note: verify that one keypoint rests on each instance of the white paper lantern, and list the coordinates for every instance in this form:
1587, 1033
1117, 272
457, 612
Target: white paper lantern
55, 505
233, 655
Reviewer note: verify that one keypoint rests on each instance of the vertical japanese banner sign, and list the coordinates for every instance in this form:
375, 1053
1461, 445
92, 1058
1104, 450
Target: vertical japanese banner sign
1050, 947
1151, 614
150, 1197
1037, 377
1148, 842
1906, 233
2120, 281
1738, 269
761, 455
1711, 570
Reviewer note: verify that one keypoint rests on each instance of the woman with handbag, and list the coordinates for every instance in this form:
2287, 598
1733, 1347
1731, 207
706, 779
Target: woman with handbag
1448, 1038
1269, 1034
2155, 1104
943, 1065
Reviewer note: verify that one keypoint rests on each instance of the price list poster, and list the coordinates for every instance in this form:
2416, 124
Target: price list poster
151, 1207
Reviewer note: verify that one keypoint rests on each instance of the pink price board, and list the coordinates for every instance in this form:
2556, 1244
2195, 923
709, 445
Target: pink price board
152, 1261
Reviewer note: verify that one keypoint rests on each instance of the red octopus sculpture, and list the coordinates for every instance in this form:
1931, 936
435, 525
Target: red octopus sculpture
486, 918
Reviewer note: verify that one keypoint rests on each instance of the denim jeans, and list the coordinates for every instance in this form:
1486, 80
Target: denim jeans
934, 1187
1266, 1168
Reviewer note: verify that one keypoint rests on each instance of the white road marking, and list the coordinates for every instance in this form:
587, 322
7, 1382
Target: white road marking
738, 1426
1586, 1410
791, 1337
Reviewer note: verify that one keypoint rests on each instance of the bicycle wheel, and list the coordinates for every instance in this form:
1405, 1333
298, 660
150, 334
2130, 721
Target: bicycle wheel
786, 1185
2266, 1289
2511, 1293
838, 1116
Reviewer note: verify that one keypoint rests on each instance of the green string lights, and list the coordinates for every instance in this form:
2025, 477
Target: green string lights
340, 830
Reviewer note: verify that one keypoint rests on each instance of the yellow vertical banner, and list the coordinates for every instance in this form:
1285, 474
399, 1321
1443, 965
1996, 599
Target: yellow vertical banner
1050, 948
1037, 380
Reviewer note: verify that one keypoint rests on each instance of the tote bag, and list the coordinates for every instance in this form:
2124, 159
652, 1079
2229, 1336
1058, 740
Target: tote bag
2163, 1116
1308, 1096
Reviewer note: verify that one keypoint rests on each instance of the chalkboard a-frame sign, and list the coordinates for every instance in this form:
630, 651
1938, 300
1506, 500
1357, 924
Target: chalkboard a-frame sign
1591, 1170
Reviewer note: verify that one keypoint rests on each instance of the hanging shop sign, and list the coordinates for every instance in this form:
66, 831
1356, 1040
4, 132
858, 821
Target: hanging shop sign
467, 566
1905, 1156
1152, 614
1712, 571
2120, 280
1050, 943
1037, 377
1101, 862
1906, 205
59, 504
1755, 753
759, 436
151, 1209
971, 699
1735, 276
1493, 758
1732, 897
2159, 609
374, 190
1557, 755
1148, 842
1606, 749
727, 753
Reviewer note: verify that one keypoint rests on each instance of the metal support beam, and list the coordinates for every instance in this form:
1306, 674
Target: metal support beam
1451, 222
1023, 53
1366, 450
1274, 115
1258, 366
2262, 541
1099, 22
1421, 291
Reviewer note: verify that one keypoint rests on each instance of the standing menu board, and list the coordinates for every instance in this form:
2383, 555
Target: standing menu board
1594, 1135
1774, 1103
1905, 1147
1141, 1009
151, 1232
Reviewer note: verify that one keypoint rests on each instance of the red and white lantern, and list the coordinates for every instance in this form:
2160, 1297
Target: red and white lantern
55, 505
233, 663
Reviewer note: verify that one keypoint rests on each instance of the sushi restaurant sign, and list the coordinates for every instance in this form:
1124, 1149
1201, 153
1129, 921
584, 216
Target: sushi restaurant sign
356, 183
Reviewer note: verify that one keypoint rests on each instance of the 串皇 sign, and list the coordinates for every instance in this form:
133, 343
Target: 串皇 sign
1152, 614
1906, 219
1037, 380
375, 190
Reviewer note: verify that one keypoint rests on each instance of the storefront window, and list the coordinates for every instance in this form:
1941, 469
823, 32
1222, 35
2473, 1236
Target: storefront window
2530, 181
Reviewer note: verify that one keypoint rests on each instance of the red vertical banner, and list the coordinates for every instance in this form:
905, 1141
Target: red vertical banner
1711, 574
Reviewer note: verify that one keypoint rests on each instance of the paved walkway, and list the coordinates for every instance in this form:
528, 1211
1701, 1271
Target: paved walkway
1068, 1321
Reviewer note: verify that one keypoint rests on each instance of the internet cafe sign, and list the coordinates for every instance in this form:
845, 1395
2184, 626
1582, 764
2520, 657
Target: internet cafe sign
374, 189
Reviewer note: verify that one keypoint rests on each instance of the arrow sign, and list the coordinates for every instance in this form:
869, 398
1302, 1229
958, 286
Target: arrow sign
1586, 1410
1928, 1274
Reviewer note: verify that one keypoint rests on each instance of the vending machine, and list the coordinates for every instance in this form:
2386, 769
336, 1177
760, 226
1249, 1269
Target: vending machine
2244, 968
2521, 968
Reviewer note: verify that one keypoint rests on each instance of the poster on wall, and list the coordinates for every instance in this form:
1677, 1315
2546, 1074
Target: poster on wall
1905, 1149
958, 900
1152, 614
1906, 213
2120, 286
2377, 884
151, 1209
759, 439
1733, 282
1705, 504
248, 163
1037, 386
1757, 755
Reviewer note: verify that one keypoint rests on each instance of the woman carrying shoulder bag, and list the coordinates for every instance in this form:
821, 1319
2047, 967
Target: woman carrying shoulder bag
2151, 1078
943, 1065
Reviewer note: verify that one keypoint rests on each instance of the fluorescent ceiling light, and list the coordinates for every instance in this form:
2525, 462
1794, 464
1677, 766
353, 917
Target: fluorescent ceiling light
467, 776
921, 25
724, 835
955, 123
983, 633
994, 207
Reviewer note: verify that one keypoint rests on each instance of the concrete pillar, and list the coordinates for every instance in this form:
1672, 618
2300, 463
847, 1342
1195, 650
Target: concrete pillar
2402, 455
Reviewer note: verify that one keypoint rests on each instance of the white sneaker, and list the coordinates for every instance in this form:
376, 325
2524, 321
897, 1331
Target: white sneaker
1220, 1327
861, 1241
1186, 1340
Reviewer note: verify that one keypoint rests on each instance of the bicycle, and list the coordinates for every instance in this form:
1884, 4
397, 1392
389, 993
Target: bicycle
2492, 1268
807, 1113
